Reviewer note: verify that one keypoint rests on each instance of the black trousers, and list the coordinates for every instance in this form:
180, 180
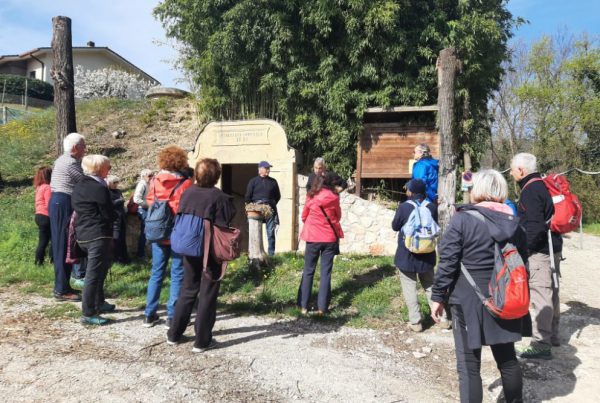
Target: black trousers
98, 262
326, 250
196, 285
468, 364
43, 223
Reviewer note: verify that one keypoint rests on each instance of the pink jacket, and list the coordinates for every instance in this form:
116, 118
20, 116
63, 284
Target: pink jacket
42, 198
316, 228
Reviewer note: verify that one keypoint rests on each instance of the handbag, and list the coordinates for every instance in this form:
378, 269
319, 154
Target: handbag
223, 243
132, 207
336, 248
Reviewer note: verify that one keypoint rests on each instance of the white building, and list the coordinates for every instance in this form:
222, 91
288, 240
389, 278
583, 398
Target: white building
37, 63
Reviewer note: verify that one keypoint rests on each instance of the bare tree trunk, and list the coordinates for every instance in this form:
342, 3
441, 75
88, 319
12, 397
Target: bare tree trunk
256, 250
62, 74
468, 166
447, 68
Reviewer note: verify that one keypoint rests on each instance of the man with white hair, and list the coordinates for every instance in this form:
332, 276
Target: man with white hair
65, 174
318, 170
535, 208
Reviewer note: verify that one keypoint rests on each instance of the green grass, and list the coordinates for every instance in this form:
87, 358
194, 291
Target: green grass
365, 290
593, 229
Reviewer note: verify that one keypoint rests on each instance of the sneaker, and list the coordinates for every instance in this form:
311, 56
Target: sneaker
555, 342
211, 345
172, 342
415, 327
69, 297
107, 308
168, 323
78, 282
94, 320
150, 321
303, 311
445, 324
535, 351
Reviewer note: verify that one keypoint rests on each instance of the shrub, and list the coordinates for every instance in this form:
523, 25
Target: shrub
35, 88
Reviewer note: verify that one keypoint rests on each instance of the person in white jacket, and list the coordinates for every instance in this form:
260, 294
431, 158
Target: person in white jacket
139, 198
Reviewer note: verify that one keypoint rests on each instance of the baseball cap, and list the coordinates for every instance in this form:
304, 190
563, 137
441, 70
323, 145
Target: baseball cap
264, 164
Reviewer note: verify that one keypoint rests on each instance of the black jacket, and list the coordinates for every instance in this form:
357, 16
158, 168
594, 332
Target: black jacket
404, 260
95, 213
535, 208
472, 241
209, 203
263, 189
118, 202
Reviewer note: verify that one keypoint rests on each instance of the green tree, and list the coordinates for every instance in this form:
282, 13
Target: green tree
316, 65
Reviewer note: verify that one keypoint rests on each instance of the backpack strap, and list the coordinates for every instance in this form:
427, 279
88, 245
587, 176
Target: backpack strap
417, 205
530, 181
174, 189
337, 238
464, 270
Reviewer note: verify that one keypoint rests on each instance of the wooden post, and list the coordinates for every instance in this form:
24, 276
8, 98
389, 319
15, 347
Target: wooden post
447, 67
62, 74
26, 93
256, 250
4, 115
359, 165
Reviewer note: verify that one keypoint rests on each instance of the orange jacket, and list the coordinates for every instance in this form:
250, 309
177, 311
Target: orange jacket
161, 186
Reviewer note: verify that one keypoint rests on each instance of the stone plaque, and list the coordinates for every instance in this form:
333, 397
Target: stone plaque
236, 137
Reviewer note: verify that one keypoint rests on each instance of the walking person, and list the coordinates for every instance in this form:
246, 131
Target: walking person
94, 231
470, 240
206, 201
321, 232
426, 168
535, 209
139, 197
167, 185
263, 189
65, 174
414, 266
41, 182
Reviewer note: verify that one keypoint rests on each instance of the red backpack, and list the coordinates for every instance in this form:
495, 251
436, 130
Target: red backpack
567, 208
509, 284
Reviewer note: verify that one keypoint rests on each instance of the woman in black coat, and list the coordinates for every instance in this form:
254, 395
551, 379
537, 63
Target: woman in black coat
120, 254
470, 239
94, 230
208, 202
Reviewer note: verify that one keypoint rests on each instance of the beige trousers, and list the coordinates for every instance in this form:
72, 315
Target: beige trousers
544, 301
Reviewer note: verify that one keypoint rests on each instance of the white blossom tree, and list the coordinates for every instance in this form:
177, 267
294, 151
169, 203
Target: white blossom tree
109, 83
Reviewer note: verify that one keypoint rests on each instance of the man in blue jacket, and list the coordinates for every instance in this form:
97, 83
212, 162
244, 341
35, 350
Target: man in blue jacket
426, 169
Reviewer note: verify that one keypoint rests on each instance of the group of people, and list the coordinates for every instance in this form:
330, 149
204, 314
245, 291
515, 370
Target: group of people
81, 183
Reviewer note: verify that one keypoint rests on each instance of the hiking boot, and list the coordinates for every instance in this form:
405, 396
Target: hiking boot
168, 323
535, 351
150, 321
555, 342
211, 345
94, 320
107, 308
69, 297
78, 282
415, 327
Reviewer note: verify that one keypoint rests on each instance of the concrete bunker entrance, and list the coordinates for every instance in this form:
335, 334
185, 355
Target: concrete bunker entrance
234, 179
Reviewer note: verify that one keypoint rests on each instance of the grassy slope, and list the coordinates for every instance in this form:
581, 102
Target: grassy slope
366, 290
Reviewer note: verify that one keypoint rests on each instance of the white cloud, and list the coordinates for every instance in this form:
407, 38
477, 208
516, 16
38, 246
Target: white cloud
127, 27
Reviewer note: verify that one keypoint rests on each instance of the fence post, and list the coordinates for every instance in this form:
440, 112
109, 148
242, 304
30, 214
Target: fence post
26, 93
4, 115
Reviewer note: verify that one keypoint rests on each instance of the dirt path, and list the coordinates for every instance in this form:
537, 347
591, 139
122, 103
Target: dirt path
262, 360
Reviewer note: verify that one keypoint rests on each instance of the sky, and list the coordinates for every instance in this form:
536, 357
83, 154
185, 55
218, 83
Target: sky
128, 27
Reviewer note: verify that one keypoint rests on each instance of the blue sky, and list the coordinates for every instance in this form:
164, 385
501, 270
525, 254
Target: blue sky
128, 28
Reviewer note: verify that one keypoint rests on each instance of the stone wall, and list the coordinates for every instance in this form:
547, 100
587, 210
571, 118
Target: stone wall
367, 226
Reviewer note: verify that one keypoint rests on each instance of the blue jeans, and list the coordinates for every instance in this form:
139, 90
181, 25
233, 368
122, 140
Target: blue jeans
141, 251
271, 223
160, 258
59, 212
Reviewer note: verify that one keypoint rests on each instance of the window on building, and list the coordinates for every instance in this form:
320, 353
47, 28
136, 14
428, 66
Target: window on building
32, 74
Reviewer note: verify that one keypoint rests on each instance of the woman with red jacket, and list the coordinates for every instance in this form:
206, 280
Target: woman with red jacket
41, 182
321, 232
169, 184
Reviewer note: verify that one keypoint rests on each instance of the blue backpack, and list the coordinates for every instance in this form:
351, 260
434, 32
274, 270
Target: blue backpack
159, 220
187, 237
420, 231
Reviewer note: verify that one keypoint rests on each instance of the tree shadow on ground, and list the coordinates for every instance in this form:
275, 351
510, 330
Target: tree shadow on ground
15, 183
545, 380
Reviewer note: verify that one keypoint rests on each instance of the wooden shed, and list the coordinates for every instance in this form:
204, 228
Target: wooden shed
386, 144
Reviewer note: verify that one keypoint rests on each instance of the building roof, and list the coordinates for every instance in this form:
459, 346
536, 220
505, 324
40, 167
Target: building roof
426, 108
88, 49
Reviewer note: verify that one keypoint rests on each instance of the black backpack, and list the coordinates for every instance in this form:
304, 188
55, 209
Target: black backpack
160, 218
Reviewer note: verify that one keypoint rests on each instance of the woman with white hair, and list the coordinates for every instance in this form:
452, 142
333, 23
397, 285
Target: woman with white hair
139, 198
470, 240
94, 231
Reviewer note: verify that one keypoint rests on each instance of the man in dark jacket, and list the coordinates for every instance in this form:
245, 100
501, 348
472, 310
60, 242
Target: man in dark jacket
263, 189
535, 209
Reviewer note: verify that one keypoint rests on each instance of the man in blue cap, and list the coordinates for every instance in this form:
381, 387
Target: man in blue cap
263, 189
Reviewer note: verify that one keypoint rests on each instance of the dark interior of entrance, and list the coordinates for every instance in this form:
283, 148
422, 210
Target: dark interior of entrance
234, 179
